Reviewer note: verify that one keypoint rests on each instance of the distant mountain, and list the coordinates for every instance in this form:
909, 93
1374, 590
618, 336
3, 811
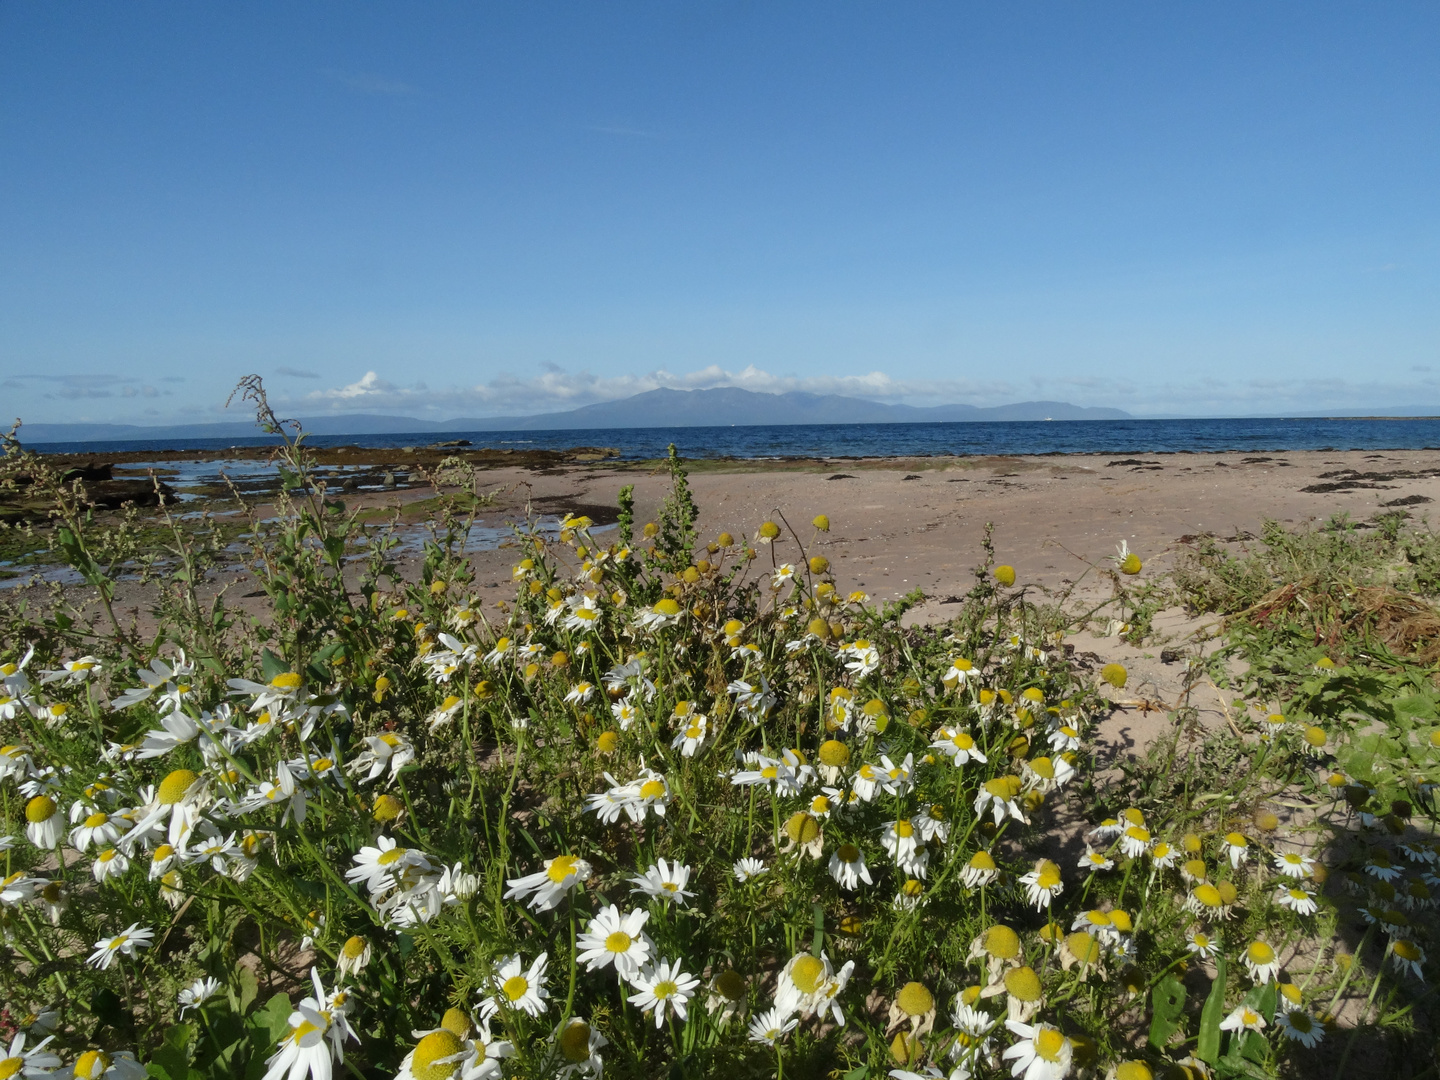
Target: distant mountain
725, 406
721, 407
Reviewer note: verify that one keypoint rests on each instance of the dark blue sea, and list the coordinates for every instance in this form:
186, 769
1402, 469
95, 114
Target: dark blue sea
892, 440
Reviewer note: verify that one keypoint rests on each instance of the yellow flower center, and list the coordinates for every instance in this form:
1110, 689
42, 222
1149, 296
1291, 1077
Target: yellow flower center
10, 1066
575, 1041
515, 987
1208, 895
174, 786
560, 868
1301, 1022
1260, 953
665, 988
1023, 984
914, 999
834, 753
455, 1020
618, 942
981, 860
40, 808
289, 680
963, 741
848, 853
1049, 1043
92, 1065
904, 828
1002, 943
806, 973
94, 821
1004, 787
389, 858
1049, 875
428, 1062
353, 948
652, 789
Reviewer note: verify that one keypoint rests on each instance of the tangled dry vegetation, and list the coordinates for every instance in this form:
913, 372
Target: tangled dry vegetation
685, 806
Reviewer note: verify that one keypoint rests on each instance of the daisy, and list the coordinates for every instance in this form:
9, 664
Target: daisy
1243, 1018
197, 993
664, 988
1043, 1052
580, 1046
95, 829
1408, 957
861, 658
1300, 901
692, 736
100, 1065
1095, 860
44, 825
1261, 962
958, 745
745, 869
1000, 795
1236, 847
38, 1062
1064, 738
847, 866
959, 673
771, 1026
584, 614
379, 867
1164, 854
666, 613
317, 1033
517, 988
1135, 841
898, 779
72, 672
548, 887
1299, 1026
1202, 945
866, 782
665, 881
388, 750
612, 938
899, 840
1046, 774
980, 870
109, 863
126, 943
624, 713
444, 713
809, 985
1043, 884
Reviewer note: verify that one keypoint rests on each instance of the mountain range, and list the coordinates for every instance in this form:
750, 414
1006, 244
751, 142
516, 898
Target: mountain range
721, 407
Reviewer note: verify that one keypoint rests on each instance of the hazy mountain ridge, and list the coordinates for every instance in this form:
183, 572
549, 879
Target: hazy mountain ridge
720, 407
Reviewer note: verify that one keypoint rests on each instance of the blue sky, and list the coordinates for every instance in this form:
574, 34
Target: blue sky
465, 209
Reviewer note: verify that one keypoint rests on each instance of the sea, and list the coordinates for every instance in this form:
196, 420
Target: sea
1241, 435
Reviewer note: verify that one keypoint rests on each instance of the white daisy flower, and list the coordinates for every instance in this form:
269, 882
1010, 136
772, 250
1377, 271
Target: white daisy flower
847, 866
316, 1036
1261, 961
1300, 901
1043, 1052
958, 745
1292, 864
665, 881
517, 988
1043, 884
580, 1046
771, 1026
745, 869
126, 943
612, 938
547, 887
1243, 1018
664, 988
1299, 1026
32, 1064
198, 992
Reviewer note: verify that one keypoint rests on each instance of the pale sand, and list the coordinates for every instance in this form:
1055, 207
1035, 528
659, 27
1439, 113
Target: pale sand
1053, 516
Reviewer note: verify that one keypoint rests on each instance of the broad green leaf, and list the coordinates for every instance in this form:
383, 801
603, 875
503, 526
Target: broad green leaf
1207, 1048
1167, 1003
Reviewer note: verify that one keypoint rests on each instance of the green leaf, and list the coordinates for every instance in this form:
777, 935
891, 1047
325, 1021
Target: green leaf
267, 1027
860, 1073
1207, 1048
1167, 1002
272, 665
249, 988
171, 1059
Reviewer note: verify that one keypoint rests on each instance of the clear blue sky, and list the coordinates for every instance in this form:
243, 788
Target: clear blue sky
464, 209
